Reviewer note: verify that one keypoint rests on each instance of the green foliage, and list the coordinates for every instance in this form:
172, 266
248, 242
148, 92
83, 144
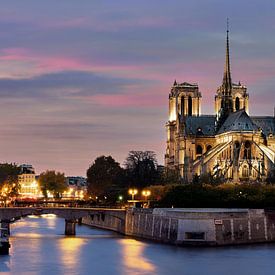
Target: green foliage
9, 179
158, 192
225, 195
271, 177
207, 178
170, 176
53, 182
141, 168
104, 176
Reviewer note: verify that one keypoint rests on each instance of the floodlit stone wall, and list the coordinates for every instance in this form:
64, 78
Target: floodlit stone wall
192, 226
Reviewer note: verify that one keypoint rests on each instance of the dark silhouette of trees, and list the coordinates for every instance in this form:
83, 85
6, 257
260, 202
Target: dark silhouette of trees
141, 168
104, 176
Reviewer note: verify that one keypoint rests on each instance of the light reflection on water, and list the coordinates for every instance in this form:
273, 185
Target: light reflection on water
70, 251
40, 247
133, 257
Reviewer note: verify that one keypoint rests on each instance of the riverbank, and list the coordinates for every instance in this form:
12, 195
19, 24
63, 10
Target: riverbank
187, 226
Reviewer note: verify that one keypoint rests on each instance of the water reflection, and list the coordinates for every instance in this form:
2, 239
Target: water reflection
4, 263
134, 259
38, 249
51, 220
70, 249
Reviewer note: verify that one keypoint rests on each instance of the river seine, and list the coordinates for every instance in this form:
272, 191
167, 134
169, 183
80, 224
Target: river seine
38, 246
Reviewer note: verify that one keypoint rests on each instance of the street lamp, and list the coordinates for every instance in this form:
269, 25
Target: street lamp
146, 193
133, 192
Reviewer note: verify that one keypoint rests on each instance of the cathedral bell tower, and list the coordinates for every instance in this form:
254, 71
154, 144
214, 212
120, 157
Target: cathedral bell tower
184, 101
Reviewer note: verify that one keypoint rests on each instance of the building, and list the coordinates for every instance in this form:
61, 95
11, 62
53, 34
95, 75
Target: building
76, 181
230, 144
27, 181
77, 187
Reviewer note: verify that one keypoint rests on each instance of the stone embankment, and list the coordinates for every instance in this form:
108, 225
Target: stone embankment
191, 226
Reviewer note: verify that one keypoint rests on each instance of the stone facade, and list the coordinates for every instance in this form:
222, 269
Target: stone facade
230, 144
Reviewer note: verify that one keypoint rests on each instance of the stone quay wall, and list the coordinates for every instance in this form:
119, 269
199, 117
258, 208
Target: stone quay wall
192, 226
109, 219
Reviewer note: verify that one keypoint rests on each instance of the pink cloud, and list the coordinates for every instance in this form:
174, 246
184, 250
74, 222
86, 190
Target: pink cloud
13, 54
144, 99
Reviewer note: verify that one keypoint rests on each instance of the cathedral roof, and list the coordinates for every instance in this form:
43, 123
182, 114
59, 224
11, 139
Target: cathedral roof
200, 125
237, 122
266, 123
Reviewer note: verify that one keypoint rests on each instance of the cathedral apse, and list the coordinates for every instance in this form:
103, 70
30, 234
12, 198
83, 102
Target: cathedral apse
229, 144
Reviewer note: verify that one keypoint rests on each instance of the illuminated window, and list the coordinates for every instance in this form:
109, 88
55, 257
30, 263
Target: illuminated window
245, 172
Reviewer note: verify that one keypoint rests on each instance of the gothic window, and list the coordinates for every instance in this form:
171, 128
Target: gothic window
247, 150
222, 104
245, 172
182, 105
190, 111
254, 173
237, 104
199, 150
209, 147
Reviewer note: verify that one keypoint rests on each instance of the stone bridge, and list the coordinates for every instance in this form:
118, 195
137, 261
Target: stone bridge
71, 215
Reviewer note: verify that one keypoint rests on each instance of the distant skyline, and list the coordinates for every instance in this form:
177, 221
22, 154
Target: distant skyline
80, 79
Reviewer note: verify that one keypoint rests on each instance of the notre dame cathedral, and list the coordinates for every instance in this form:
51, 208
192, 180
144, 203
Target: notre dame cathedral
230, 144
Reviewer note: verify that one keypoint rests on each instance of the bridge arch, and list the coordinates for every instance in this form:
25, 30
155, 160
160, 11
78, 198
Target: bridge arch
70, 215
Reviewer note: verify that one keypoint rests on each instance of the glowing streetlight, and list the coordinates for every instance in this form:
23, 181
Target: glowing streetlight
146, 194
133, 192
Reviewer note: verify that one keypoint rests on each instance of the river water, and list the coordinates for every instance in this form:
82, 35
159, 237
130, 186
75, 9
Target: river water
38, 246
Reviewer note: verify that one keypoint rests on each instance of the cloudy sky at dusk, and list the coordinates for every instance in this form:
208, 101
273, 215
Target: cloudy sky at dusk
79, 79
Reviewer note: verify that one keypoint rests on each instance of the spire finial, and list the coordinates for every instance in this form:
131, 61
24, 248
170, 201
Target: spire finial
227, 25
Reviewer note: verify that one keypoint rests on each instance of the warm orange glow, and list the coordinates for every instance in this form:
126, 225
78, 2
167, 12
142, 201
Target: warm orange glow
146, 193
29, 189
133, 192
70, 250
134, 259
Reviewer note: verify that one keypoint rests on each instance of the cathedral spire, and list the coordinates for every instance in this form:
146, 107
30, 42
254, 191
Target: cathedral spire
227, 102
226, 87
227, 75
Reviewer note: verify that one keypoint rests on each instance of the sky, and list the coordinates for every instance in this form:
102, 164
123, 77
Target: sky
81, 79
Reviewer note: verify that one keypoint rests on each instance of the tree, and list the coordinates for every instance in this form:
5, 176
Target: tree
104, 175
170, 176
141, 167
9, 179
54, 182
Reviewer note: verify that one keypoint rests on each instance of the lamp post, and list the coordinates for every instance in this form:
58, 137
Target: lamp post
133, 192
146, 194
